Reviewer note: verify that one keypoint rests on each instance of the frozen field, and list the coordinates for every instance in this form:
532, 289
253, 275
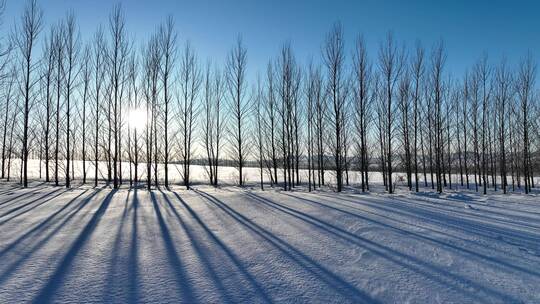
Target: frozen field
233, 245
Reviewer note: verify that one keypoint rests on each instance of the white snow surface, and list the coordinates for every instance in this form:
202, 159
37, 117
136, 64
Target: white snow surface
243, 245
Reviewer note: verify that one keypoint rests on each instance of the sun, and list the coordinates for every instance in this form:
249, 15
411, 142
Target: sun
137, 118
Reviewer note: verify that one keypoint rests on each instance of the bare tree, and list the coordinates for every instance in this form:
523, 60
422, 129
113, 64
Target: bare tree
288, 87
9, 96
135, 98
258, 92
86, 74
296, 121
117, 56
168, 48
208, 126
391, 60
12, 132
503, 94
526, 77
320, 124
71, 44
465, 126
59, 73
457, 103
47, 88
311, 95
404, 104
514, 140
334, 59
438, 58
190, 84
27, 34
239, 108
271, 123
218, 94
362, 79
429, 131
380, 109
482, 74
151, 91
214, 120
98, 70
474, 92
449, 96
417, 68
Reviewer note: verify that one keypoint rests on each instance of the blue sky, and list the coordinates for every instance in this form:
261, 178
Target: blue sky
468, 28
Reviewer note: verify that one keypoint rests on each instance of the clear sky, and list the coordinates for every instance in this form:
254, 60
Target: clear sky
468, 28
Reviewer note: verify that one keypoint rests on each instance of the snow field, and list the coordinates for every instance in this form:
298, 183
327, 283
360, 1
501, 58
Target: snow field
233, 245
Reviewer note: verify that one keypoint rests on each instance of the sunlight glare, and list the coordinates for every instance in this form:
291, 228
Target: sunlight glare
137, 118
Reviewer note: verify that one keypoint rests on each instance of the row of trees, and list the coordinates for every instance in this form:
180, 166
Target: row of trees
396, 111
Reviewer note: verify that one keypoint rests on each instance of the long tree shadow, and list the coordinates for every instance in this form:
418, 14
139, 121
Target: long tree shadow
431, 214
426, 269
8, 187
199, 250
43, 224
47, 293
46, 197
133, 262
110, 292
202, 252
454, 203
306, 263
384, 213
502, 198
29, 250
8, 200
522, 216
469, 227
466, 223
178, 266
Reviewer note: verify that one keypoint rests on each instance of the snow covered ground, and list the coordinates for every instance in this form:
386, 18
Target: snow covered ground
232, 245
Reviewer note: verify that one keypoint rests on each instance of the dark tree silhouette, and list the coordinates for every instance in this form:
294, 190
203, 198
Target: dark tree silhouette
27, 34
